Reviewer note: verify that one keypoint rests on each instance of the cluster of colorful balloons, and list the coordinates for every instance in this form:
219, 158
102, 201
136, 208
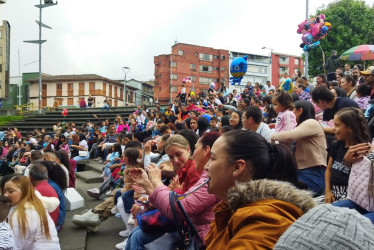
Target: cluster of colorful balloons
313, 30
238, 68
64, 112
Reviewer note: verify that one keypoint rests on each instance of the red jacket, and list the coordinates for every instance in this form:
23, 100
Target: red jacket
188, 176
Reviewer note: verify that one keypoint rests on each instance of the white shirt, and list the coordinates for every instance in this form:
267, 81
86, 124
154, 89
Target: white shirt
84, 144
34, 238
267, 88
265, 131
183, 91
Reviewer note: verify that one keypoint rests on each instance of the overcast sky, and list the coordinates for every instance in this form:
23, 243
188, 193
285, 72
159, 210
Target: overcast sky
100, 37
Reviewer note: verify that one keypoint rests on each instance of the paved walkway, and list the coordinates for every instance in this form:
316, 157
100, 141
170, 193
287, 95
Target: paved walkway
71, 237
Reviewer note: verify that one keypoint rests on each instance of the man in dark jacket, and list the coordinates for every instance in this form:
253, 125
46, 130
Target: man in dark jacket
331, 65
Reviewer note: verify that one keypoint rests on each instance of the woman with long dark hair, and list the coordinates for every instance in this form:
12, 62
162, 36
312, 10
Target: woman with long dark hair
236, 120
310, 150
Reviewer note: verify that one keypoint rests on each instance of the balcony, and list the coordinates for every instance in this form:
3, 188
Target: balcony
97, 92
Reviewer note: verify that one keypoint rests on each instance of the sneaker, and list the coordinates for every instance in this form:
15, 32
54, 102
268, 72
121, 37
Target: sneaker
122, 245
114, 210
124, 233
95, 193
97, 159
108, 192
86, 219
101, 161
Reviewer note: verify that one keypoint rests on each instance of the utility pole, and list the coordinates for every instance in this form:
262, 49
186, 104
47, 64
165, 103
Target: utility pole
306, 63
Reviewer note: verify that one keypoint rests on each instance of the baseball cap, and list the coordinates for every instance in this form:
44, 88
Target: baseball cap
368, 71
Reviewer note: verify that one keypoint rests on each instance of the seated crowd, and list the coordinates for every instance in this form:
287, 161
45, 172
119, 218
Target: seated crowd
247, 168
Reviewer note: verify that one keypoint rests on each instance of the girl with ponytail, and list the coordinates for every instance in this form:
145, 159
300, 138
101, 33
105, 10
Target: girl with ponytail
258, 185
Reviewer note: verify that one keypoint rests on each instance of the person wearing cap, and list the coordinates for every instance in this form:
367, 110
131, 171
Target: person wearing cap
369, 77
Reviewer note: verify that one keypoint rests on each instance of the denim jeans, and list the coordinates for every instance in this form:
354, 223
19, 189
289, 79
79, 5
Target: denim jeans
138, 238
314, 178
351, 205
105, 107
128, 200
78, 158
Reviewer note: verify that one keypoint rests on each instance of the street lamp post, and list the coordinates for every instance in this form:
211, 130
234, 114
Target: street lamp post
125, 70
269, 57
47, 3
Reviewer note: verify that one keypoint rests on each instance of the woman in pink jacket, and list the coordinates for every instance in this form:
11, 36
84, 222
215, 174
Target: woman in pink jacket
198, 205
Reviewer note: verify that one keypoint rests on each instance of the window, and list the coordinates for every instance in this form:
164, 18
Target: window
180, 52
216, 57
222, 57
81, 88
59, 89
173, 77
174, 89
283, 59
222, 68
283, 70
173, 64
216, 68
196, 54
205, 68
193, 78
159, 88
205, 80
193, 66
257, 69
206, 57
297, 61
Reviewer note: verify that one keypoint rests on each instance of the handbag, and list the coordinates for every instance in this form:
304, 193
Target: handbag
361, 184
83, 153
186, 237
189, 239
152, 220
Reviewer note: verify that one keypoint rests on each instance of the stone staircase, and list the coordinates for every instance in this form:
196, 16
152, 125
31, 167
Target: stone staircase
91, 171
78, 116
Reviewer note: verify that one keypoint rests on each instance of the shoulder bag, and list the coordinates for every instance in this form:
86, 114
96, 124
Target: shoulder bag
361, 184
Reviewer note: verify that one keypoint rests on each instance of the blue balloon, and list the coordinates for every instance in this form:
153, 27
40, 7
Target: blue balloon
311, 46
238, 68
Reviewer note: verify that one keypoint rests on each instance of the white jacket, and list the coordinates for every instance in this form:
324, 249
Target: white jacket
34, 238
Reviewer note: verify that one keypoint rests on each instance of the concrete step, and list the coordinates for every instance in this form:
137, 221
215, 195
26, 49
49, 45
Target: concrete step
95, 166
89, 176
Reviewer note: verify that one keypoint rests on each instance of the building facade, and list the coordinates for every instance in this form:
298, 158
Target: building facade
283, 63
4, 59
70, 89
143, 93
203, 65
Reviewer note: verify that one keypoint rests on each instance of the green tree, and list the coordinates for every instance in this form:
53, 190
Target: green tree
352, 24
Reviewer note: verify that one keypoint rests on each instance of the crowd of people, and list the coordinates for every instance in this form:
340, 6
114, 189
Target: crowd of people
270, 157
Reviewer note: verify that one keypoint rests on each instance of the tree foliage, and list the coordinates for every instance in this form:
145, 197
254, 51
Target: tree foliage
352, 24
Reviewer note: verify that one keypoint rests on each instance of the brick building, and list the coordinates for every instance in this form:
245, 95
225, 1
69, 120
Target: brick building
283, 63
203, 64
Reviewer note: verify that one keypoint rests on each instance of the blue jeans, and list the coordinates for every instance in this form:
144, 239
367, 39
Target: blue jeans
105, 107
351, 205
78, 158
138, 239
128, 200
314, 178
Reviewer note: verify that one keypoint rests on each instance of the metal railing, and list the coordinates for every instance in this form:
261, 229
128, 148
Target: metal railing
25, 108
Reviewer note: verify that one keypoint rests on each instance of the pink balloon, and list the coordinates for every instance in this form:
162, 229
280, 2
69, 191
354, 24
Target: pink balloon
315, 29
